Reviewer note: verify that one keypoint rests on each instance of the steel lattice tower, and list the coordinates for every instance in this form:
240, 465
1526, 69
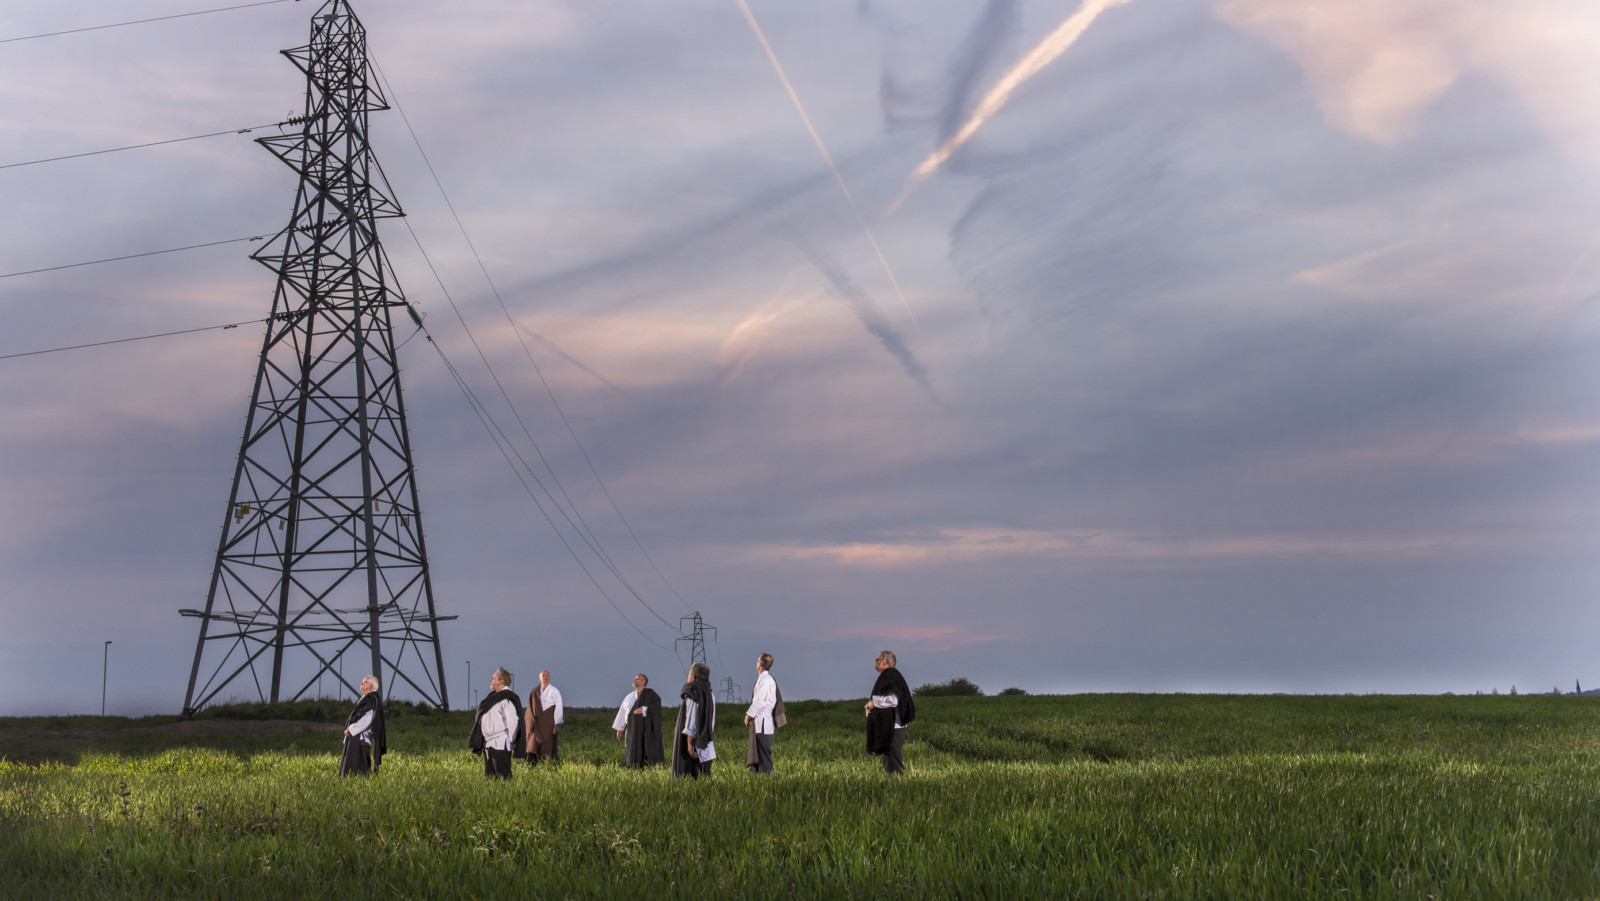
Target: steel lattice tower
695, 630
322, 551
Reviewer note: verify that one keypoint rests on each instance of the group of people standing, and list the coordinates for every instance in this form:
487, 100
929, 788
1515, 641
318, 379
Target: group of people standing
504, 729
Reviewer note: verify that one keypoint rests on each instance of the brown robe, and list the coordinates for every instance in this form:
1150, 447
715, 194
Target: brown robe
539, 729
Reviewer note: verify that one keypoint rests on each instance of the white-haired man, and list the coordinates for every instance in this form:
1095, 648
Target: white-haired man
364, 739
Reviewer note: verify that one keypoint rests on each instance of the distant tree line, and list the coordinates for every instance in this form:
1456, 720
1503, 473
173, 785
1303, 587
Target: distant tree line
959, 687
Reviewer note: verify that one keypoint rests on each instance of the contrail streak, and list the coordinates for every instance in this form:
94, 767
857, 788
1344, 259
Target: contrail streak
778, 67
874, 322
1051, 47
556, 349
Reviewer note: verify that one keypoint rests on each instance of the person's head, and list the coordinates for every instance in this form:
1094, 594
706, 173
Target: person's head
501, 678
369, 685
764, 663
884, 661
640, 681
699, 672
544, 678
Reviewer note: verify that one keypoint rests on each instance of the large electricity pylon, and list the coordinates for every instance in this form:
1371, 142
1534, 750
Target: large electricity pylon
322, 550
694, 633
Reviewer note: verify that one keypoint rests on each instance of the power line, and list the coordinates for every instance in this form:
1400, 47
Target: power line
508, 450
393, 96
73, 156
501, 442
133, 256
187, 331
51, 34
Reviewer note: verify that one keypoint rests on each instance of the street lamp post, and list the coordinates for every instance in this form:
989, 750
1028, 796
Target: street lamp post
105, 659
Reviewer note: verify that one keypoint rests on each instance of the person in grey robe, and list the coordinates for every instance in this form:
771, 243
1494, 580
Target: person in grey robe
692, 748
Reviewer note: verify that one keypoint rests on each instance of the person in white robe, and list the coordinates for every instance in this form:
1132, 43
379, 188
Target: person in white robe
763, 700
498, 722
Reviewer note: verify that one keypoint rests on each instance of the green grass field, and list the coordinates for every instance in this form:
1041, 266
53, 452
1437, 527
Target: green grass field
1085, 796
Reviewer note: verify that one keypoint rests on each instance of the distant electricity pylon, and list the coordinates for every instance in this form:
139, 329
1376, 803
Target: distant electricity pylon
731, 690
322, 550
694, 632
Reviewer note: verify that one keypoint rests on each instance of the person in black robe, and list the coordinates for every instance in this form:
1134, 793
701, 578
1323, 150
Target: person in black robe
697, 720
364, 738
889, 711
497, 761
640, 716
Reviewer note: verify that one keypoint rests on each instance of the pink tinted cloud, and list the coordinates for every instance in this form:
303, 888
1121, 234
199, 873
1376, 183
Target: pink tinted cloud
925, 637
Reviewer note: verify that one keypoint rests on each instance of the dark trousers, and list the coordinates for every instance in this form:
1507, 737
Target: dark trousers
763, 762
496, 764
895, 760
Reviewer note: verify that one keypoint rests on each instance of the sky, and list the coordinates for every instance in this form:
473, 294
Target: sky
1238, 346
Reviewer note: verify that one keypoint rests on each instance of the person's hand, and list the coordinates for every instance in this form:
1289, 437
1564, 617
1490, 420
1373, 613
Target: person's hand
619, 734
747, 720
638, 711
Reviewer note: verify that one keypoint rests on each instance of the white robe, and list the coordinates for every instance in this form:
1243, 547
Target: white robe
499, 725
550, 698
763, 698
621, 722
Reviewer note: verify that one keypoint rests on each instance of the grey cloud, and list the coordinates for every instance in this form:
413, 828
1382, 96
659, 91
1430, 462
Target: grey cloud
974, 59
556, 349
694, 247
1136, 223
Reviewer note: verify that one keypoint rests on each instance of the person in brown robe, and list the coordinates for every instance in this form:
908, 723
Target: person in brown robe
542, 722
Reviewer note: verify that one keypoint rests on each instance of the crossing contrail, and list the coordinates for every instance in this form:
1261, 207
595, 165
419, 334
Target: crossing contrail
874, 322
1051, 47
854, 207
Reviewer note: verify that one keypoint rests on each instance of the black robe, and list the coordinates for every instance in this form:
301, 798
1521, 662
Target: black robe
705, 723
355, 759
643, 735
880, 720
475, 742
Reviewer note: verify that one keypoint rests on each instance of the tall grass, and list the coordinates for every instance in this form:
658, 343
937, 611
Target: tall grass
1070, 797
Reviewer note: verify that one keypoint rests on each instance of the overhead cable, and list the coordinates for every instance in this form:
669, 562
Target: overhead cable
501, 443
51, 34
509, 450
527, 352
132, 256
187, 331
73, 156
